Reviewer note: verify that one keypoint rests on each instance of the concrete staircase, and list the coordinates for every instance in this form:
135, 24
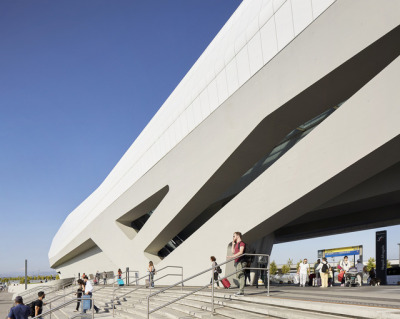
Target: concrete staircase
254, 305
198, 305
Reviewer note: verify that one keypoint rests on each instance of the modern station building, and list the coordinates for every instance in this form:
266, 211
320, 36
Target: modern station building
287, 127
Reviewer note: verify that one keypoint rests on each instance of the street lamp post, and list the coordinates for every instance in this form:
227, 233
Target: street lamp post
26, 274
399, 253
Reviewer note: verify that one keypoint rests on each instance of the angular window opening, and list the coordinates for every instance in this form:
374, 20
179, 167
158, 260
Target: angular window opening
192, 227
133, 221
258, 168
139, 223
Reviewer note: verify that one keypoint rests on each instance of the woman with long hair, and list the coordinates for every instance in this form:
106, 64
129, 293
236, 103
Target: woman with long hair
215, 271
79, 292
152, 271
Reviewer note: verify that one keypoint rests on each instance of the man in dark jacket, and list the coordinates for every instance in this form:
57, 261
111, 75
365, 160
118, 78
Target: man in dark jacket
19, 311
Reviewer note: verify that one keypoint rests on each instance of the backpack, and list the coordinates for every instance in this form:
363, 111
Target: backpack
218, 268
32, 307
325, 268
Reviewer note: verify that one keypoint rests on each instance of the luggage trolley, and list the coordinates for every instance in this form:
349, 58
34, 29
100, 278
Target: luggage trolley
353, 278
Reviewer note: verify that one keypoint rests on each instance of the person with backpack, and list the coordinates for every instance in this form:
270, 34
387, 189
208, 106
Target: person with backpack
37, 305
323, 269
217, 270
238, 249
19, 311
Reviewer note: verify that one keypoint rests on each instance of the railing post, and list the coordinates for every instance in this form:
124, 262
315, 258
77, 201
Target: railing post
148, 307
268, 274
127, 276
212, 290
64, 293
182, 278
113, 301
50, 310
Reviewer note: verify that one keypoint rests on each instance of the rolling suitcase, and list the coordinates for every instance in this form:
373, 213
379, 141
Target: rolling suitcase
120, 282
86, 302
340, 276
225, 282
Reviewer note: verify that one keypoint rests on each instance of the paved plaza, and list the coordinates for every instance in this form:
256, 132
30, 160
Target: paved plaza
5, 303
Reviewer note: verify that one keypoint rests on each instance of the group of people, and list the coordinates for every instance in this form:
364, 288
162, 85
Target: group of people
323, 272
151, 272
34, 309
85, 288
22, 311
97, 278
238, 250
323, 277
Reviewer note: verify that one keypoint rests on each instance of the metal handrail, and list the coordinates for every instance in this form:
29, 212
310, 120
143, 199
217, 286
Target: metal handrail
116, 277
181, 274
51, 310
114, 290
36, 289
143, 286
54, 299
213, 268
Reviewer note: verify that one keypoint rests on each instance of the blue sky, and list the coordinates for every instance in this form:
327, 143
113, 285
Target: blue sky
79, 80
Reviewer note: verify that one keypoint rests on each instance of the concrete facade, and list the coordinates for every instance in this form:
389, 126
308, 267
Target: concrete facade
198, 165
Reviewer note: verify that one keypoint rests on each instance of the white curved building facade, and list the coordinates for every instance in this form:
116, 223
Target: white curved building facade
288, 120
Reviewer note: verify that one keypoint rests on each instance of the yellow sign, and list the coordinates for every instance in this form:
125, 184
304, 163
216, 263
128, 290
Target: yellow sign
351, 250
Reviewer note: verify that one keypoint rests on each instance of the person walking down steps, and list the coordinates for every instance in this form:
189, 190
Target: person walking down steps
152, 272
79, 292
215, 272
238, 249
88, 291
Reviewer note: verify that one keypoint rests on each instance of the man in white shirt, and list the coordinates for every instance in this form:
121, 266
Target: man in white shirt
304, 272
88, 291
